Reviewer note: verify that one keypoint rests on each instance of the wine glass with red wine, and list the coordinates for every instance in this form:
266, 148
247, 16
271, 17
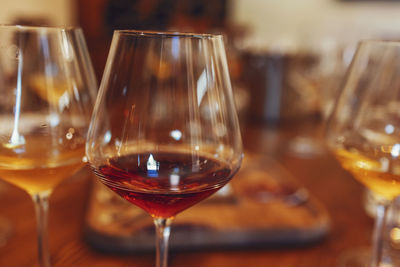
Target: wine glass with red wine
164, 133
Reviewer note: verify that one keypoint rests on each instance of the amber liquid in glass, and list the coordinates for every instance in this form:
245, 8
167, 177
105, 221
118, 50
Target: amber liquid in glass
378, 171
38, 168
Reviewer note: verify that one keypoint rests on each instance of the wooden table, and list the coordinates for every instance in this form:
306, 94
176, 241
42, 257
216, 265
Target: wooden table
321, 175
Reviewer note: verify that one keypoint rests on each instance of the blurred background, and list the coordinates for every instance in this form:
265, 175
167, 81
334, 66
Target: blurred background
286, 57
287, 60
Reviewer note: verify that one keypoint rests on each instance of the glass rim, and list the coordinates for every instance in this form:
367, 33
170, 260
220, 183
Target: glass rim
167, 34
38, 28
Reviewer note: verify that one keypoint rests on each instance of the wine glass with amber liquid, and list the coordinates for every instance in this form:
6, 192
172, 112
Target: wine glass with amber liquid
164, 133
364, 131
47, 89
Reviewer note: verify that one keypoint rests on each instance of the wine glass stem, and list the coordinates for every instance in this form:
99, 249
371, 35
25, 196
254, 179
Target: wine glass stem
377, 238
41, 202
163, 227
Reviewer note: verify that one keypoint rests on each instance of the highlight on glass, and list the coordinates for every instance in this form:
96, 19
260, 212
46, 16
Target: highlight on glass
164, 133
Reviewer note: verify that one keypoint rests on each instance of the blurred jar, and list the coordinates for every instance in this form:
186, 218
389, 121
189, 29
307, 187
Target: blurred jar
290, 80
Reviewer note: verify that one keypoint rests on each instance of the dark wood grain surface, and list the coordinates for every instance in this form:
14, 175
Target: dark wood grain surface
319, 173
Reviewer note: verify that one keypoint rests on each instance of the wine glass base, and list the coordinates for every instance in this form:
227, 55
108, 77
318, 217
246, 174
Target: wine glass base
6, 230
360, 258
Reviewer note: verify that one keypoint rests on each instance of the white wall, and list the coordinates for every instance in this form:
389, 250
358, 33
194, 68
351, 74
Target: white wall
57, 12
305, 20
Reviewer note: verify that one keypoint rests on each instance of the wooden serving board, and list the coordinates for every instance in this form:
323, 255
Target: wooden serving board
262, 206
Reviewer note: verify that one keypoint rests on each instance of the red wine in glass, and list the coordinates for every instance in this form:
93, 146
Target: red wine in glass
166, 183
164, 133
